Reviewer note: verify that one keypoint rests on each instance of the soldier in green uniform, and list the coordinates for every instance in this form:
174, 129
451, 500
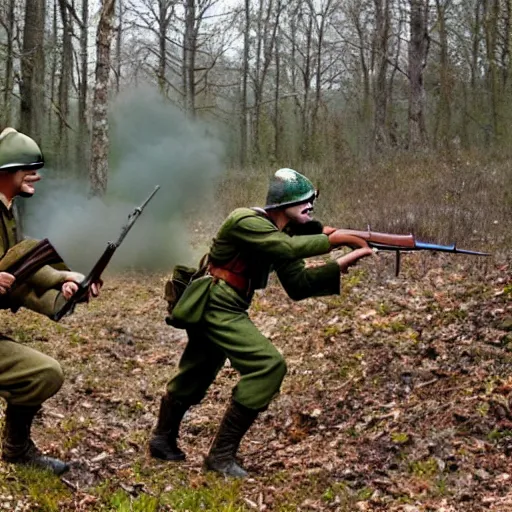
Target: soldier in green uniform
27, 377
250, 244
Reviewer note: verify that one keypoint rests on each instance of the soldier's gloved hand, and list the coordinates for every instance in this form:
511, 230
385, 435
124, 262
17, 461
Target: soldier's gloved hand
352, 258
6, 281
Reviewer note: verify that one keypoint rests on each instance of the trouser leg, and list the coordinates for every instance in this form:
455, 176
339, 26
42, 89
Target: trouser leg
260, 365
262, 369
27, 379
197, 369
199, 365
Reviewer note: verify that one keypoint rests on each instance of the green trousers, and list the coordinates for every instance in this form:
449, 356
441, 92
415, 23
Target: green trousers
227, 332
27, 377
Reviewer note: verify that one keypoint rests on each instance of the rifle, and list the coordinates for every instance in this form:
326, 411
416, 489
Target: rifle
389, 242
94, 275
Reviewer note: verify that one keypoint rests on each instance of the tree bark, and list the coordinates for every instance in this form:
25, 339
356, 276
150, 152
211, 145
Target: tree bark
418, 51
380, 89
189, 60
98, 170
245, 75
8, 87
82, 142
32, 70
119, 42
443, 114
64, 84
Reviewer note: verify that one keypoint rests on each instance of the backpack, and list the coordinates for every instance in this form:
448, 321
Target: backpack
180, 278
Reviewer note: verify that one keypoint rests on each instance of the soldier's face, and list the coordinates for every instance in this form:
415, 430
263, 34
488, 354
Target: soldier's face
25, 182
300, 213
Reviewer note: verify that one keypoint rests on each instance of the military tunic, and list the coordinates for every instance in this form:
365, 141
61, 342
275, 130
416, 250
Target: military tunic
27, 377
225, 330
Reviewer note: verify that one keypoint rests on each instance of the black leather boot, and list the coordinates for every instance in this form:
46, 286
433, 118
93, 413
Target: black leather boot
163, 444
222, 456
17, 446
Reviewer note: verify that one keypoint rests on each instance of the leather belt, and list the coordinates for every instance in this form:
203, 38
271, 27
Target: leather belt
237, 281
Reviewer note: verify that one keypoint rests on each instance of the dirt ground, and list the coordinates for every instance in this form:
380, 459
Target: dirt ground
398, 398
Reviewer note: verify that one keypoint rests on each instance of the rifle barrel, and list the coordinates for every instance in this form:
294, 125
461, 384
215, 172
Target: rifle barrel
448, 248
418, 246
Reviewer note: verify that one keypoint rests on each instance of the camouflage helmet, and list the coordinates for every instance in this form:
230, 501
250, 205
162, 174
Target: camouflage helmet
288, 188
18, 151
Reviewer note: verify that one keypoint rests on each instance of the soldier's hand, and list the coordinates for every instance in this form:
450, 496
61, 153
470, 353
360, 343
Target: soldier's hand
68, 289
95, 288
6, 281
352, 258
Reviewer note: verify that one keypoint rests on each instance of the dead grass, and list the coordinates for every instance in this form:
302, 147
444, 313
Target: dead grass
459, 197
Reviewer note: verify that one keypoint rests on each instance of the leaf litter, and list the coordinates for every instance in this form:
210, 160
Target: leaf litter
398, 395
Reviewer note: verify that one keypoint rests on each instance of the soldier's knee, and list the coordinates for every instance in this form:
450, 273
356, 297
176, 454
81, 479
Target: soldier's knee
49, 379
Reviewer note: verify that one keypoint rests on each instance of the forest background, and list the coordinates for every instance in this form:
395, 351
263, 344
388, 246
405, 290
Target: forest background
398, 396
399, 110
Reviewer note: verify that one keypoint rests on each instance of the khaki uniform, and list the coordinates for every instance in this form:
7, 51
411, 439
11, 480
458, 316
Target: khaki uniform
215, 314
28, 377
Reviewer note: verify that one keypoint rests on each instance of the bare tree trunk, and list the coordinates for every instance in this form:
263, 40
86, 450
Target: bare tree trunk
162, 47
98, 170
189, 61
82, 142
418, 51
306, 77
64, 84
320, 19
32, 70
507, 41
268, 21
277, 117
365, 111
53, 74
380, 91
119, 42
491, 23
474, 46
9, 29
245, 75
443, 114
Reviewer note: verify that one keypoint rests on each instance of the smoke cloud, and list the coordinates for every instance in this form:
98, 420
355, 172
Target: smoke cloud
152, 143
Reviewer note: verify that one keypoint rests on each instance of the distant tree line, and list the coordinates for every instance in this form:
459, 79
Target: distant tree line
288, 82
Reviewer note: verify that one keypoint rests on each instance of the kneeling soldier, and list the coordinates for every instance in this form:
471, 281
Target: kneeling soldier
27, 377
250, 244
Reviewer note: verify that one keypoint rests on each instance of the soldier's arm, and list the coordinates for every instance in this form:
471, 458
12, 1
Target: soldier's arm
48, 277
300, 282
258, 235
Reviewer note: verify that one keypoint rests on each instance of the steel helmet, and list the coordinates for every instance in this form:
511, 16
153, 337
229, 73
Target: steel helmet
18, 151
288, 188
